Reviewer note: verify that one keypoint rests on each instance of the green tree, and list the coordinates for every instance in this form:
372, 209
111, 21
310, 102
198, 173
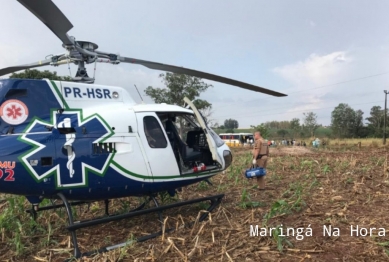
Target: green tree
179, 86
265, 132
36, 74
359, 130
346, 122
295, 126
282, 133
342, 120
231, 124
310, 122
376, 121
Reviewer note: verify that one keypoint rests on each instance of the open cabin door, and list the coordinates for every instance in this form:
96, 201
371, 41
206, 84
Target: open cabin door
210, 140
159, 153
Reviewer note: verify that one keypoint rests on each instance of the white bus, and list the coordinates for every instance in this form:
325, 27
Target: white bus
237, 139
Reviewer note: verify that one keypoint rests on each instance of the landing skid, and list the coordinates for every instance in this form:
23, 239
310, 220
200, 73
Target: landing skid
73, 226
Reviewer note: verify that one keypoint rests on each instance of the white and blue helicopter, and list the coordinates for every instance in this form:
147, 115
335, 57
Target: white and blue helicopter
77, 141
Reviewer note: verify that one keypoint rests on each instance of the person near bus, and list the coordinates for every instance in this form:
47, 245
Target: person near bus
260, 156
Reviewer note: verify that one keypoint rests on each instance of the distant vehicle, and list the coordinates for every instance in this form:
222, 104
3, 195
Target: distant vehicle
237, 139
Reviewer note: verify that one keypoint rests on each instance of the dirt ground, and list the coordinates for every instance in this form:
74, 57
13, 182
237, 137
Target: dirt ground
297, 150
309, 193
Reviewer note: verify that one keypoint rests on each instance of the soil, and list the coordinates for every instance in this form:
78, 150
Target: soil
317, 189
295, 150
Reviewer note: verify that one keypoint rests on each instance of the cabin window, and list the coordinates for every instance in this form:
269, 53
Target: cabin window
154, 134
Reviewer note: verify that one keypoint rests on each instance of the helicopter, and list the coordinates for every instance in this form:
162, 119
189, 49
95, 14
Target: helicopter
77, 142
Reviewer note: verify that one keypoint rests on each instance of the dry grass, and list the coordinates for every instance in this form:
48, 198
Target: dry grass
353, 142
339, 143
309, 189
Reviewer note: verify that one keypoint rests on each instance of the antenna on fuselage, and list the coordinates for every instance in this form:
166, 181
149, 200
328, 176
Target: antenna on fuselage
139, 94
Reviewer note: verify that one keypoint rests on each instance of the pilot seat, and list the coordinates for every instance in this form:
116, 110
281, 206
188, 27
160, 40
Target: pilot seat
188, 153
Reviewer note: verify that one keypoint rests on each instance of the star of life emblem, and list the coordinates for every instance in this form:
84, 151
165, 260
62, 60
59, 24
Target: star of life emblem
13, 112
72, 157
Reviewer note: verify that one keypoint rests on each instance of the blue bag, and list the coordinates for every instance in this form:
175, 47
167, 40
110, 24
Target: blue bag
255, 172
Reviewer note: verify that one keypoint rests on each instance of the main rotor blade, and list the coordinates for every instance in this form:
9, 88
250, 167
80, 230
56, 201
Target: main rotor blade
186, 71
12, 69
51, 16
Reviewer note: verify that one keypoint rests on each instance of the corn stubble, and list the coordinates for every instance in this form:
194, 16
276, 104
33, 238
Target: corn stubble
310, 188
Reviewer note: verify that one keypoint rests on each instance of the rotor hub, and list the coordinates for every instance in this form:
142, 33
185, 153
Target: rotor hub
90, 46
87, 45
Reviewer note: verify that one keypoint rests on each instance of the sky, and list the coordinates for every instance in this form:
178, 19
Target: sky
320, 53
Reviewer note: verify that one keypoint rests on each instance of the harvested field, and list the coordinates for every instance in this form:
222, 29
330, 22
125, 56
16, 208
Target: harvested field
308, 191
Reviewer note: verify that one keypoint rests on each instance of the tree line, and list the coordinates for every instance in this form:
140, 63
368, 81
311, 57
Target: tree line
281, 129
346, 122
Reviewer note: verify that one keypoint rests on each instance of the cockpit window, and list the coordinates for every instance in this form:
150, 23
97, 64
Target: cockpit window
154, 134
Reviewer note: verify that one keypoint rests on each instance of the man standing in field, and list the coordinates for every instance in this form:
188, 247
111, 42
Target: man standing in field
260, 155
